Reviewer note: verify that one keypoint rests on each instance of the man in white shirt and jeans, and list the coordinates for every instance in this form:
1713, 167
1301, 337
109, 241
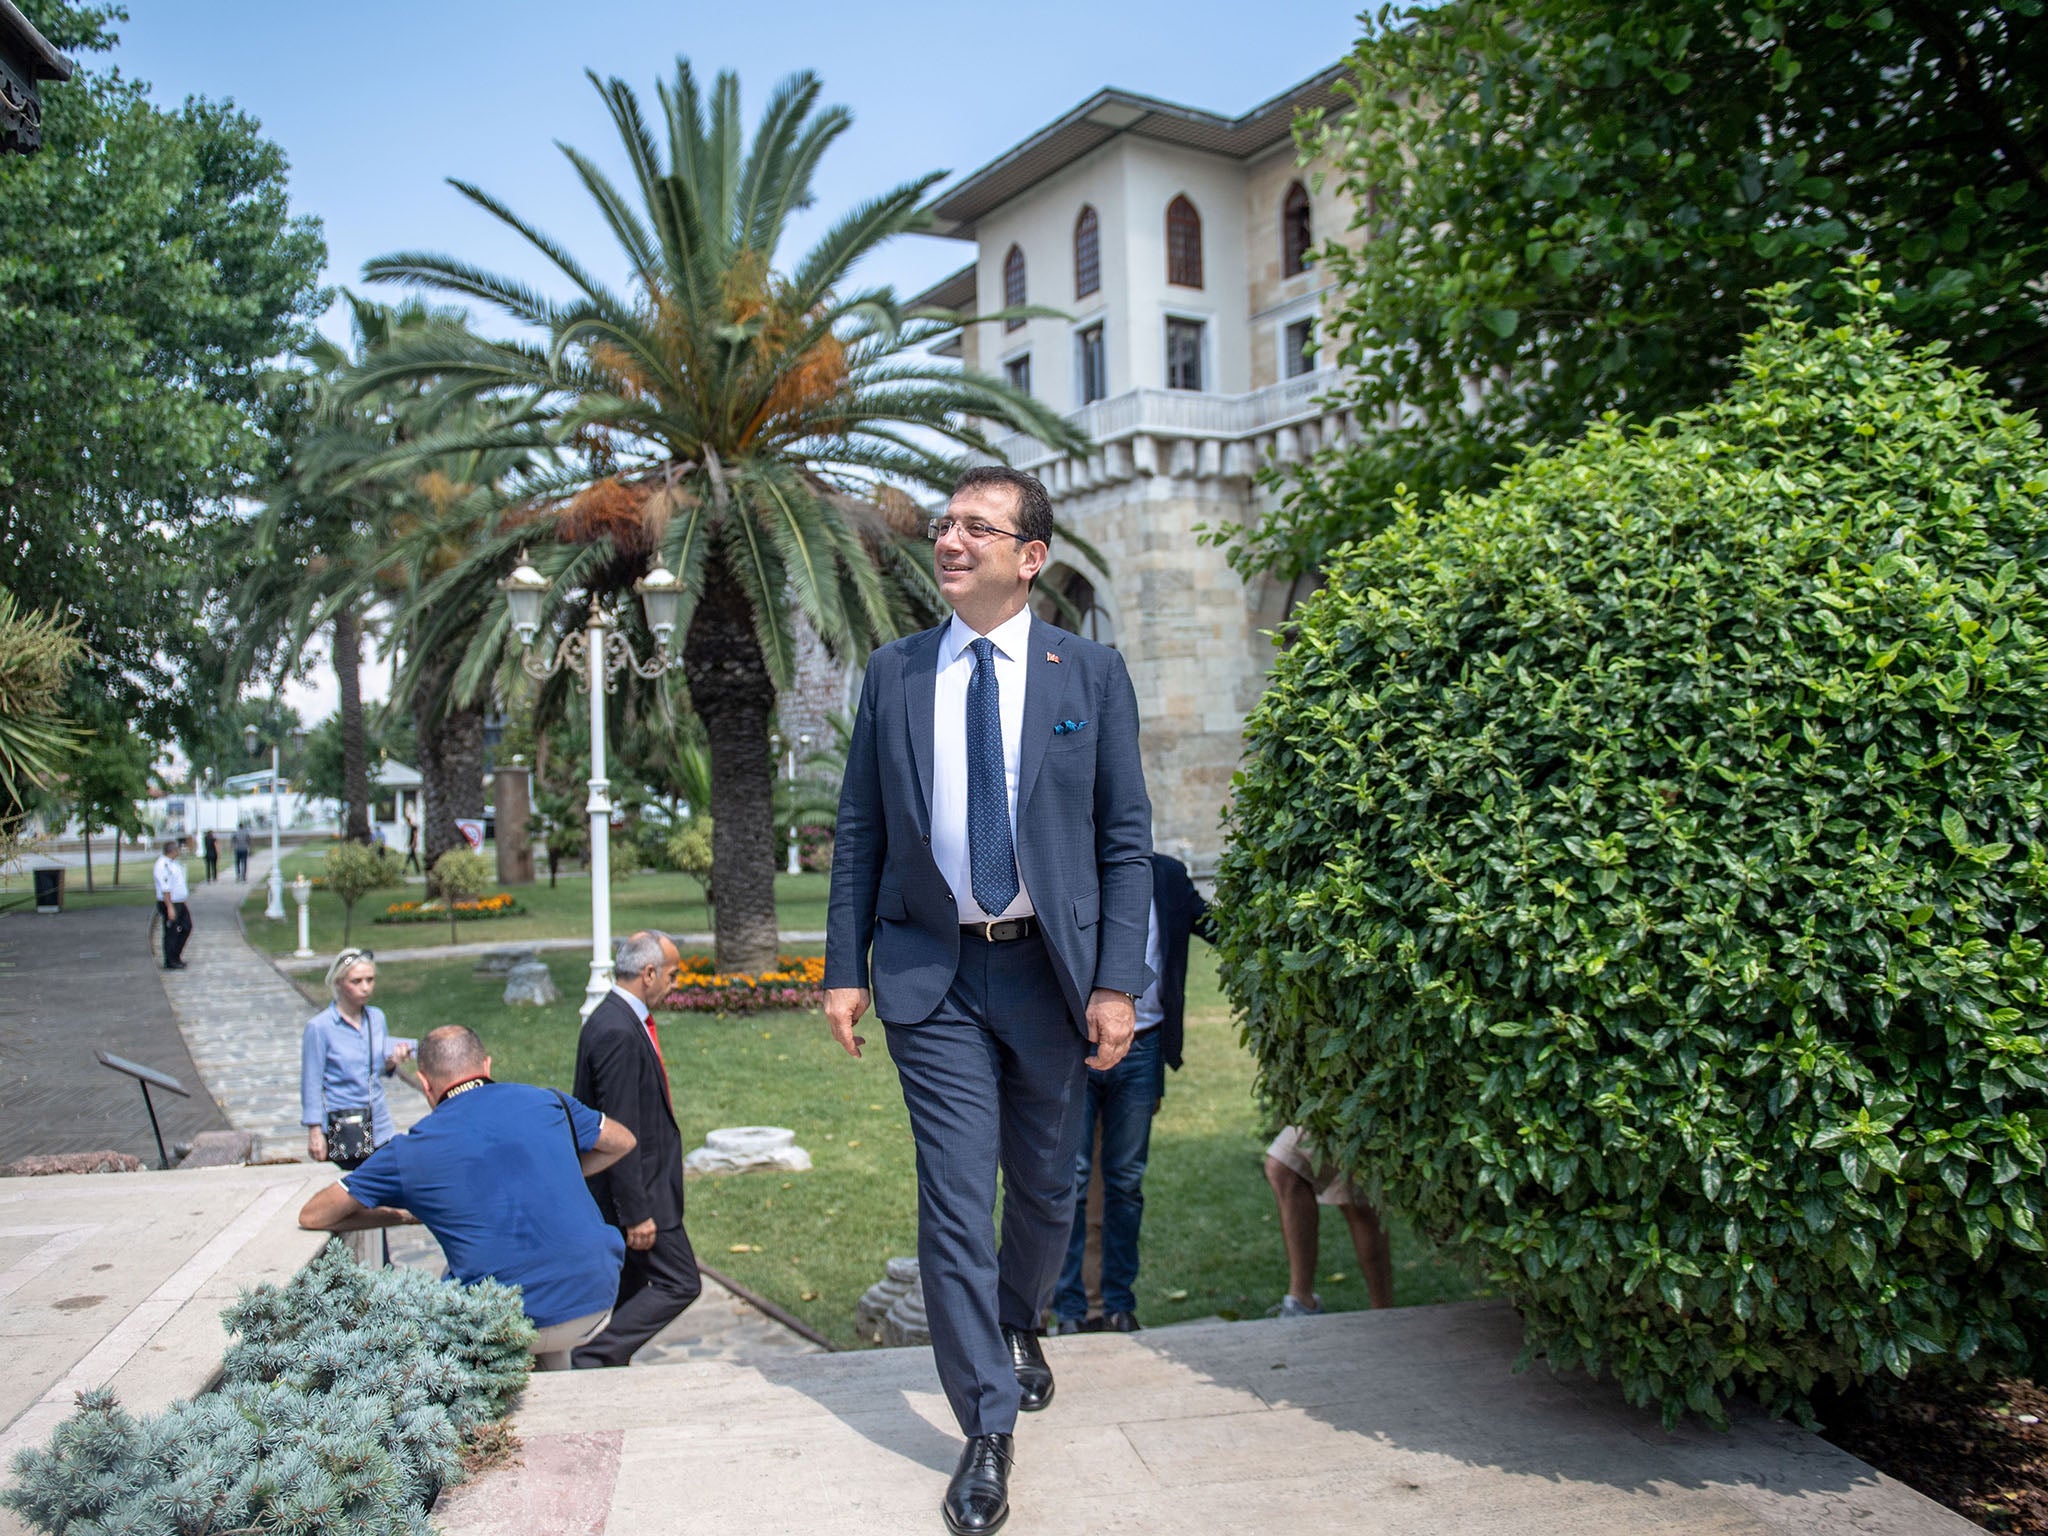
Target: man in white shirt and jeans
171, 895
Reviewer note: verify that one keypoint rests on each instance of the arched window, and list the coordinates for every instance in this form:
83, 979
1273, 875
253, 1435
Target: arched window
1297, 231
1183, 244
1013, 285
1087, 254
1066, 599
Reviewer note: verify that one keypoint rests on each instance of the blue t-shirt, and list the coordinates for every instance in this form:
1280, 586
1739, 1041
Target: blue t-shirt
492, 1175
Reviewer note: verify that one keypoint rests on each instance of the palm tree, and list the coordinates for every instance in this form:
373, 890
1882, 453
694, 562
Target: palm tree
745, 423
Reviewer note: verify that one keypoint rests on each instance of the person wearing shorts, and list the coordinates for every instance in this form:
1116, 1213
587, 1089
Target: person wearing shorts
1302, 1181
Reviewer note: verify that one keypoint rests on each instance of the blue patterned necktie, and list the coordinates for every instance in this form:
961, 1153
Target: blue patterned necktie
991, 856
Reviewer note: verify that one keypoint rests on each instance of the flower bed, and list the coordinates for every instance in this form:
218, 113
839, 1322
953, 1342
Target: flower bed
500, 905
797, 982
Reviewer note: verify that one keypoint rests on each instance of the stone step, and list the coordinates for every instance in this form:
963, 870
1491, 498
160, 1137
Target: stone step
1408, 1421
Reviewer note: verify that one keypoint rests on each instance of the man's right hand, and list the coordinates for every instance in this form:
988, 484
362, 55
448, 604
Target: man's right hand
640, 1236
843, 1008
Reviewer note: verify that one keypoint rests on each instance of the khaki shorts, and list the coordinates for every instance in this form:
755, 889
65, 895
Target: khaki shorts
1293, 1150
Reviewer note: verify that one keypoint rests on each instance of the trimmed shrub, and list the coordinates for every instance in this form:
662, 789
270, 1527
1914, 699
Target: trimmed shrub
343, 1409
462, 874
353, 871
1637, 879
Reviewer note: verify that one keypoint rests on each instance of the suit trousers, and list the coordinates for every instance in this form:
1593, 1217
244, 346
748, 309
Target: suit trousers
993, 1079
176, 932
655, 1285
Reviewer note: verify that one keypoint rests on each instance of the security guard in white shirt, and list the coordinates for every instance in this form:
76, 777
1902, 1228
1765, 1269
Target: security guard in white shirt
171, 895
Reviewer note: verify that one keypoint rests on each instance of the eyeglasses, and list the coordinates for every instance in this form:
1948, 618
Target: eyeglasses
354, 957
974, 530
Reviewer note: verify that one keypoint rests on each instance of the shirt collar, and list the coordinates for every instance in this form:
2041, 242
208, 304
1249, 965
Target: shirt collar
1011, 636
639, 1008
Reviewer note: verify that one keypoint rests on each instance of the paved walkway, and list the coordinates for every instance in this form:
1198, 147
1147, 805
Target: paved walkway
242, 1022
1409, 1422
72, 982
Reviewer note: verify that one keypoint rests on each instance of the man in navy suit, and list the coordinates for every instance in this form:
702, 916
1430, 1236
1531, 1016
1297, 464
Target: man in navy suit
993, 853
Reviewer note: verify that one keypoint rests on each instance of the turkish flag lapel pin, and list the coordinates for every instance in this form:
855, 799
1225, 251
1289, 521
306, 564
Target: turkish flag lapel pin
1053, 657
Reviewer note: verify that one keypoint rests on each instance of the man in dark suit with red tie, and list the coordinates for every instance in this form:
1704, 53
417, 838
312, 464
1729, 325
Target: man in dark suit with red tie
619, 1072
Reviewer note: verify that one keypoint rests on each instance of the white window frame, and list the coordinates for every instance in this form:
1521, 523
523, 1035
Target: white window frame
1280, 317
1097, 321
1019, 355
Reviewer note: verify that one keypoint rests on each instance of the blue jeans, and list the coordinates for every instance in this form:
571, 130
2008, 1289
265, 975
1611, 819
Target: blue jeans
1123, 1097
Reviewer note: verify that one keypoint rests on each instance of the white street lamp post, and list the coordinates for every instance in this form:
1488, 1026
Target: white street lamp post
276, 907
302, 892
598, 654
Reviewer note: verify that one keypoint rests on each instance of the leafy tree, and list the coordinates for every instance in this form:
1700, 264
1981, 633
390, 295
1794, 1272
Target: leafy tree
461, 874
1638, 877
734, 420
354, 870
692, 849
148, 264
108, 783
37, 654
1562, 205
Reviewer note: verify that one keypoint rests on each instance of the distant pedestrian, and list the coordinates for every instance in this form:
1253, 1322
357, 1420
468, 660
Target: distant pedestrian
171, 895
412, 843
241, 852
1302, 1182
211, 846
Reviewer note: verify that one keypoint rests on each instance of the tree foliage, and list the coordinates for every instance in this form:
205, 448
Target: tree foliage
744, 423
37, 655
1639, 873
1563, 203
461, 874
148, 264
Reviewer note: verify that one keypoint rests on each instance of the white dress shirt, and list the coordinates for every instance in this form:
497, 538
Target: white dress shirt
1150, 1009
170, 879
1012, 639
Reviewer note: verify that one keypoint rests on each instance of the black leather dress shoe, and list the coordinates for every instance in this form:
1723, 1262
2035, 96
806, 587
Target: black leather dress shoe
1034, 1376
978, 1498
1120, 1322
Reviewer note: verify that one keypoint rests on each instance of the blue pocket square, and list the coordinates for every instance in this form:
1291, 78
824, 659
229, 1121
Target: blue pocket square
1068, 725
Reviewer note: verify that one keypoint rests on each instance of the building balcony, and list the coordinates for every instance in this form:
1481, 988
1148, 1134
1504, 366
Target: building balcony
1183, 433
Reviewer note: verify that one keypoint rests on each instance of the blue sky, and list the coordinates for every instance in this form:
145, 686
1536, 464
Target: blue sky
377, 103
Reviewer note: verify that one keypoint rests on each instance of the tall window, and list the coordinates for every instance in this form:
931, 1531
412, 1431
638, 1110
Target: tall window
1297, 231
1018, 372
1183, 244
1087, 254
1183, 353
1094, 364
1013, 285
1300, 345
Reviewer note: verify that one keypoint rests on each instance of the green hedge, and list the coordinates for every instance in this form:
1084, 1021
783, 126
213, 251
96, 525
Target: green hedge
1637, 879
343, 1409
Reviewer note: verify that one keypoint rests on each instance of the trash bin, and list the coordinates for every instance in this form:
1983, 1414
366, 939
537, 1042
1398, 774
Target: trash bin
50, 889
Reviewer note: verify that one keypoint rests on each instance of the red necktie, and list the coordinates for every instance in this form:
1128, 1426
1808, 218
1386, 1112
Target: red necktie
654, 1039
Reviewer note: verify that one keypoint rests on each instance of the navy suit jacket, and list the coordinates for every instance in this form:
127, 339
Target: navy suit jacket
618, 1074
1084, 829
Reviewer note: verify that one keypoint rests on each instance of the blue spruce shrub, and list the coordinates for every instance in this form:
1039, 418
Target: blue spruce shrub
343, 1409
1637, 877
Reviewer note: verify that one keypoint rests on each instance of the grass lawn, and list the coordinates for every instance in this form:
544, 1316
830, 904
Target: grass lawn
813, 1242
647, 900
136, 889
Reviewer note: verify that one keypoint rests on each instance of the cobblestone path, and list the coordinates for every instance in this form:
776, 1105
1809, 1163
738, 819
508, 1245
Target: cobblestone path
242, 1021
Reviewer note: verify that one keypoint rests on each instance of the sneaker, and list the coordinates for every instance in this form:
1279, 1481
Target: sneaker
1291, 1305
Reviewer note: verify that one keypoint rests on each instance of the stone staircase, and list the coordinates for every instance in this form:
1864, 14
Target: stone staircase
1409, 1421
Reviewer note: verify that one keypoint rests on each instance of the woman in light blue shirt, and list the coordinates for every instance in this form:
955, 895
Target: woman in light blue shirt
346, 1054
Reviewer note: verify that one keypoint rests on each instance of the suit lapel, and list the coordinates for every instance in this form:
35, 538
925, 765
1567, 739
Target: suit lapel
920, 703
1044, 686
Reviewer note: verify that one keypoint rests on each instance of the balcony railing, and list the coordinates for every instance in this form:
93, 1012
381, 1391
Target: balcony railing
1181, 413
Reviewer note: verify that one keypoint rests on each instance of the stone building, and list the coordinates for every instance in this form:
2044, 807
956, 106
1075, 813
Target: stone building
1179, 245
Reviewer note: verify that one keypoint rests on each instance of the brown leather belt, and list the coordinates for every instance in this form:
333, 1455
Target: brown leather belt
1003, 930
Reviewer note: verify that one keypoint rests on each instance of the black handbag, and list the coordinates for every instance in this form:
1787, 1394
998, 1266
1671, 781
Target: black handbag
351, 1132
